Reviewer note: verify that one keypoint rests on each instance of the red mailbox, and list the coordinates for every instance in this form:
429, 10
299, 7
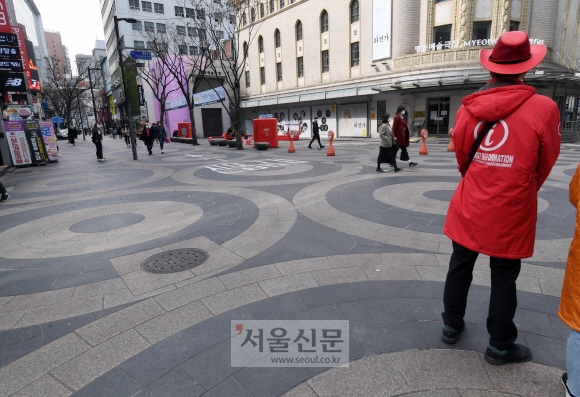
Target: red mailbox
266, 130
184, 130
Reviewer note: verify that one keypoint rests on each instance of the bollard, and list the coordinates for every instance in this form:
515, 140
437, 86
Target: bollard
423, 149
291, 149
330, 147
451, 147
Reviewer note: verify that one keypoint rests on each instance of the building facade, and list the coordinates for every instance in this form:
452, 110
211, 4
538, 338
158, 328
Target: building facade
57, 51
27, 14
156, 17
352, 61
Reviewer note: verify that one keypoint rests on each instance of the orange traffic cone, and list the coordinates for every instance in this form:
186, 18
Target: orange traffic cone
451, 147
423, 149
291, 149
330, 148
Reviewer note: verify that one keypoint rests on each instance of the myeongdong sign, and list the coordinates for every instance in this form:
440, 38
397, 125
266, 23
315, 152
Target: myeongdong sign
446, 45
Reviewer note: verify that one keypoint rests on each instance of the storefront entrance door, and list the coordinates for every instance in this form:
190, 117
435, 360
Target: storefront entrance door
438, 116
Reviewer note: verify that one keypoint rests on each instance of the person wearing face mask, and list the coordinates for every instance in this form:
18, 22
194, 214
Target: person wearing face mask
386, 151
401, 131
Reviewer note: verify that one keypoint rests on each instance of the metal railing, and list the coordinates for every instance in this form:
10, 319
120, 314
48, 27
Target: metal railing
571, 131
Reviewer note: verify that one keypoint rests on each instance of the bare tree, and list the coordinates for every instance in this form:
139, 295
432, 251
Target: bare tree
229, 25
63, 90
180, 57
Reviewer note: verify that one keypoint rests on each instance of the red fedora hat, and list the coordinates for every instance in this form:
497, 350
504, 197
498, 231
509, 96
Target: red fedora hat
512, 54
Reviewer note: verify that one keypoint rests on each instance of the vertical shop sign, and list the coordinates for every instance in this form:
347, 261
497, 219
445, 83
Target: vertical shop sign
17, 142
35, 142
4, 21
50, 140
382, 29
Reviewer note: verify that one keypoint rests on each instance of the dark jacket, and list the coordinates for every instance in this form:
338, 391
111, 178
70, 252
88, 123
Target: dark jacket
161, 134
315, 128
401, 131
148, 135
96, 135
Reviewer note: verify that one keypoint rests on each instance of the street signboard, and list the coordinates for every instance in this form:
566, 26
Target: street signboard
9, 53
141, 94
11, 66
142, 55
140, 64
12, 82
57, 120
9, 40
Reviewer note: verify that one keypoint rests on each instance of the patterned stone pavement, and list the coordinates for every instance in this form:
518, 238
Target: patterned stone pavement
290, 236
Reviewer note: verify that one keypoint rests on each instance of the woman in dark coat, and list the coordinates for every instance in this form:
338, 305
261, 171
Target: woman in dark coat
71, 135
97, 139
401, 131
148, 138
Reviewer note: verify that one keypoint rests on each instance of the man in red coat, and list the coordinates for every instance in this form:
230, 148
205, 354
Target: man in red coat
494, 209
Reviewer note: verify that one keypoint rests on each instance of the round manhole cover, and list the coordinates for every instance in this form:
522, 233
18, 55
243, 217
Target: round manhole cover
346, 162
175, 261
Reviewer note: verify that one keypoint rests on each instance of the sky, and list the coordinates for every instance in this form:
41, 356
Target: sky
78, 21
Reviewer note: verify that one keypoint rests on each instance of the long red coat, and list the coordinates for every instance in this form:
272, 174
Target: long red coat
401, 131
494, 209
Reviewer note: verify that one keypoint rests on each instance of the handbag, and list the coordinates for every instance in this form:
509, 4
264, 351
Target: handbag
395, 145
167, 140
477, 143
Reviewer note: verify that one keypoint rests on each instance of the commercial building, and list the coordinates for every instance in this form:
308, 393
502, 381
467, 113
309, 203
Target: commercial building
27, 15
57, 51
352, 61
153, 17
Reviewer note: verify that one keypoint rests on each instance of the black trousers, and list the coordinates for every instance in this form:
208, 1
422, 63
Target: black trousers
127, 141
99, 147
503, 300
149, 146
2, 189
404, 153
317, 138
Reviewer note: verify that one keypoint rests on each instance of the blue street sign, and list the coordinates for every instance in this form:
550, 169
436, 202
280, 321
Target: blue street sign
143, 55
57, 120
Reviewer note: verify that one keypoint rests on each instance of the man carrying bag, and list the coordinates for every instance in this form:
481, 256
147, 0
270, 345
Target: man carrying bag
507, 139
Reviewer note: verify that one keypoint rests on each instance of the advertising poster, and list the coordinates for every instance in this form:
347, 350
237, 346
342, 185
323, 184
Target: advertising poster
209, 97
17, 112
326, 119
31, 68
17, 142
282, 116
352, 120
301, 116
35, 142
382, 29
50, 141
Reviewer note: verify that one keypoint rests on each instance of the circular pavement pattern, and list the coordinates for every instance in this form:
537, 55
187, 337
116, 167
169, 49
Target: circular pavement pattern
53, 236
411, 196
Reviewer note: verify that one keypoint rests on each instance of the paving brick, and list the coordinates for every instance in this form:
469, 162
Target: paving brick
90, 365
285, 284
162, 357
173, 384
212, 366
114, 383
234, 298
327, 295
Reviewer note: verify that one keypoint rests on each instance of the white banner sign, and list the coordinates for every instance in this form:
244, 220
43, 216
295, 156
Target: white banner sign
210, 96
353, 120
382, 29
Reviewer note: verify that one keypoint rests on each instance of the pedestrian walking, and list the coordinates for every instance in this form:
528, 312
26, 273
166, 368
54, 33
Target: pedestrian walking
97, 139
148, 138
494, 209
161, 135
116, 131
71, 135
401, 131
386, 148
570, 299
315, 134
4, 196
126, 135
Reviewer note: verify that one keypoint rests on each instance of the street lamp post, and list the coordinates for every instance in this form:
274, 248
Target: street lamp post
122, 67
